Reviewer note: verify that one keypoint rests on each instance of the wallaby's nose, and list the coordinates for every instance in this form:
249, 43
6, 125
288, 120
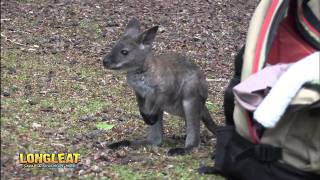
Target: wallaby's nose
106, 62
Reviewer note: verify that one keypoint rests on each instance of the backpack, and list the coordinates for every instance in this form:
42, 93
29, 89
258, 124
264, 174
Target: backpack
280, 31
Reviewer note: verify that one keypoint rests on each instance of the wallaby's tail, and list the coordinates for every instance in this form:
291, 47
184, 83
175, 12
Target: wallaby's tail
207, 120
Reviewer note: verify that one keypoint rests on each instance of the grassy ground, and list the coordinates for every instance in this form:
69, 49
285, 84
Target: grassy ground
54, 91
51, 113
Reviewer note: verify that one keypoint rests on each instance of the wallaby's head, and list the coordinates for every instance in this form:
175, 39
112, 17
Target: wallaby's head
131, 50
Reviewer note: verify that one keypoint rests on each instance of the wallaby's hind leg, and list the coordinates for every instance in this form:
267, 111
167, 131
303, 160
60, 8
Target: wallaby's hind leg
155, 135
192, 110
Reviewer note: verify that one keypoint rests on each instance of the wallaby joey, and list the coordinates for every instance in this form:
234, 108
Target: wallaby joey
161, 83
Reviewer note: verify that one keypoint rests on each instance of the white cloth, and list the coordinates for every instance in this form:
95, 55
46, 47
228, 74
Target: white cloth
269, 112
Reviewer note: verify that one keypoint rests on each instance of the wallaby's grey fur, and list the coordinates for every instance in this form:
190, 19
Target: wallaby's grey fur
168, 83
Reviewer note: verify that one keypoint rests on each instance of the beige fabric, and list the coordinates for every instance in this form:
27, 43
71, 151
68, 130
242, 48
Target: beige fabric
255, 25
306, 96
248, 57
298, 134
303, 97
241, 122
250, 49
252, 36
315, 7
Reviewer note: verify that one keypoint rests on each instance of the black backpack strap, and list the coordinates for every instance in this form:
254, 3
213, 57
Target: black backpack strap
228, 102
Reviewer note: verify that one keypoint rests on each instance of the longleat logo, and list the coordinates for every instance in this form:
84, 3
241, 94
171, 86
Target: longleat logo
61, 160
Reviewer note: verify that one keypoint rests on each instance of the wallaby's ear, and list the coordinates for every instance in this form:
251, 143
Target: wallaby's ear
133, 27
148, 36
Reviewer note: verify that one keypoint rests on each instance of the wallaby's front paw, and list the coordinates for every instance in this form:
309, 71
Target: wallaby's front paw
150, 119
177, 151
119, 144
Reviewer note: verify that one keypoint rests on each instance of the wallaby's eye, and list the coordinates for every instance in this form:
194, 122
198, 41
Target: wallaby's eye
124, 52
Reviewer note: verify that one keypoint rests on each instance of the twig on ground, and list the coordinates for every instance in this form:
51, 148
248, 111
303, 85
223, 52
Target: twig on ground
30, 48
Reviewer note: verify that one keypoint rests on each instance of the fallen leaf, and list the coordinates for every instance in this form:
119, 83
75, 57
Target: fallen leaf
104, 126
